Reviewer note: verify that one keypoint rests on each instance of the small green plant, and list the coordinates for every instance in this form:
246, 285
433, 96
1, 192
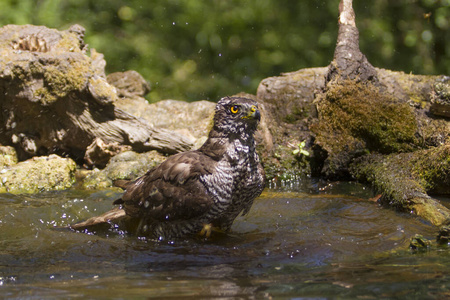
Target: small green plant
301, 149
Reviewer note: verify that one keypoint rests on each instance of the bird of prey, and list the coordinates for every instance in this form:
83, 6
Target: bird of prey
198, 191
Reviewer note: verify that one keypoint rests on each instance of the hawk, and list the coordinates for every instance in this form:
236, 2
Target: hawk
198, 191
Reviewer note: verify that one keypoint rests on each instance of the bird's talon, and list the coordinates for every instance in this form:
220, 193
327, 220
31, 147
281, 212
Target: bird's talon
206, 230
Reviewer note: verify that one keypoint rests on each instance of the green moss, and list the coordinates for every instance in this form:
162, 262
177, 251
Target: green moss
404, 179
359, 116
18, 73
297, 113
45, 95
391, 176
404, 175
59, 80
432, 168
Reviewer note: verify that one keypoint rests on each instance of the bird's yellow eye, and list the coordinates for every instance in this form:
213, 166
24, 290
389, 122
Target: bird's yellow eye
234, 109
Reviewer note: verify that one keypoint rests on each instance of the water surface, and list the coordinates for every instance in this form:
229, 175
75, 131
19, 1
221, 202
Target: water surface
304, 239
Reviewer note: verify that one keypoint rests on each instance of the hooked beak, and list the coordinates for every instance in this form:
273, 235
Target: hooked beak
253, 113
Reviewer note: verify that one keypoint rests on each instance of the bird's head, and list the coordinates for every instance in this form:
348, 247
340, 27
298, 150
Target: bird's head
236, 115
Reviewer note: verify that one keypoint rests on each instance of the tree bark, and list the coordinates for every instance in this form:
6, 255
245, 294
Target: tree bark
349, 63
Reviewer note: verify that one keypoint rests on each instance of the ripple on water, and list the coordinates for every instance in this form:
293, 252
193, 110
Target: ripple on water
316, 243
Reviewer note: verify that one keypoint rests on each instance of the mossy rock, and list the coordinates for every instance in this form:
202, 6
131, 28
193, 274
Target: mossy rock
406, 179
402, 175
390, 175
432, 168
44, 173
359, 118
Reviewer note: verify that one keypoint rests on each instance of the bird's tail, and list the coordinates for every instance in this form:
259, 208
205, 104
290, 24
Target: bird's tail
122, 183
112, 216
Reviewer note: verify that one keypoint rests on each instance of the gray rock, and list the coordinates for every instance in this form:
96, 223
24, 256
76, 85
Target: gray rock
191, 119
126, 165
129, 84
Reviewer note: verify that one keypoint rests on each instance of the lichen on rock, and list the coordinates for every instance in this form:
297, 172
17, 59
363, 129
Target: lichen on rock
440, 99
38, 174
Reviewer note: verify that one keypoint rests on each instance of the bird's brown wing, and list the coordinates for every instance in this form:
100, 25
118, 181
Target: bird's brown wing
172, 190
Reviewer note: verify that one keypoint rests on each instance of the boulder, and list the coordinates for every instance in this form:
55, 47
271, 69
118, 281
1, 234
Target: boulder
38, 174
126, 165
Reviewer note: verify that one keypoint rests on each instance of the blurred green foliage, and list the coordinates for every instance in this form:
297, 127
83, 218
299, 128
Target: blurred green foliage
208, 49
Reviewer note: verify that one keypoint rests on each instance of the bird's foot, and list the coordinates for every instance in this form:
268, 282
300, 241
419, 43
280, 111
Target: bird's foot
208, 229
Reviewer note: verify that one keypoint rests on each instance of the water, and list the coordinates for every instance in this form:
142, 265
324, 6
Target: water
303, 240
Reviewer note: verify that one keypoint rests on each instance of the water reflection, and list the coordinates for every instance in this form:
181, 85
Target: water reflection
310, 240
